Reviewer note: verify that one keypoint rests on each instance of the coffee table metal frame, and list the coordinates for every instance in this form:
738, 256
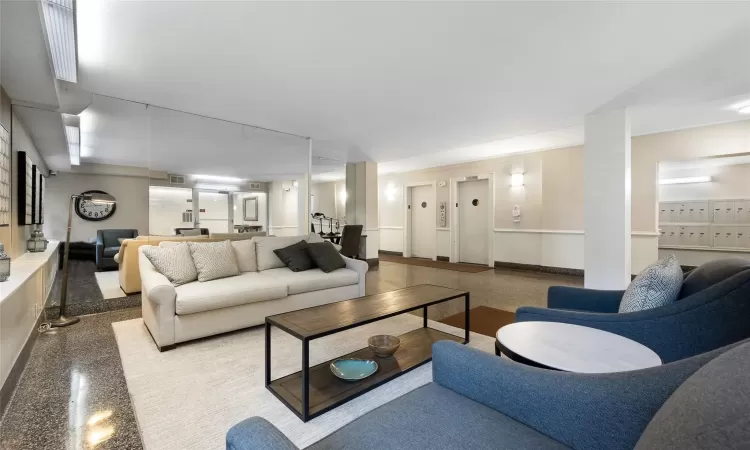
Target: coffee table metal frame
305, 415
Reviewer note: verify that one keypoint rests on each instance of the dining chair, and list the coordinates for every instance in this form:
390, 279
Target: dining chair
351, 235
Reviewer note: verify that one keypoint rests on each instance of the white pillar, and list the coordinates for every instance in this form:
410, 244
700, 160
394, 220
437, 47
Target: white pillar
362, 203
607, 200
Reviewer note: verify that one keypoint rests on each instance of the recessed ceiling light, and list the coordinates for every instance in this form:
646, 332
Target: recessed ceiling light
685, 180
60, 27
744, 110
217, 178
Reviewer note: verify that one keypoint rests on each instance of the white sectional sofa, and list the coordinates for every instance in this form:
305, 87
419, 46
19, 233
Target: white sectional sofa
199, 309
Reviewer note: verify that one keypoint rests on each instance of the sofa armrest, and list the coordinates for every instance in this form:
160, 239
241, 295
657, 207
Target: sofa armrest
583, 411
361, 267
155, 286
158, 303
257, 433
593, 300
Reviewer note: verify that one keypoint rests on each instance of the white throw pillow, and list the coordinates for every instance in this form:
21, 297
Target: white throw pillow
175, 263
214, 260
657, 285
244, 251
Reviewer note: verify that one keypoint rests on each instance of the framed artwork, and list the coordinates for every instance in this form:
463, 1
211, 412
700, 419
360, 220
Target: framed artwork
5, 177
250, 209
34, 194
25, 189
40, 186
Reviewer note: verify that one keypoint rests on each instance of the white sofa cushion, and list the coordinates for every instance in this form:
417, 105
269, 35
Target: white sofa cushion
313, 279
245, 288
265, 245
244, 250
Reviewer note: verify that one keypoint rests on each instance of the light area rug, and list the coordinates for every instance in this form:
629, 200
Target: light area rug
187, 398
109, 284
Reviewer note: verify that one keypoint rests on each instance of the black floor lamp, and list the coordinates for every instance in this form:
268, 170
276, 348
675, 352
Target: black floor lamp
98, 199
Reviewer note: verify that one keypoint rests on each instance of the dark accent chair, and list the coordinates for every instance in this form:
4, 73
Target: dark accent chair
108, 245
480, 401
351, 236
713, 310
178, 231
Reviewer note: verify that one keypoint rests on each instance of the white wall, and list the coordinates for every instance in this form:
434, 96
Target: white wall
551, 200
131, 194
728, 182
283, 202
166, 206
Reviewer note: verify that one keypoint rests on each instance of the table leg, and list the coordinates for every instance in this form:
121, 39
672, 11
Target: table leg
268, 353
424, 317
305, 380
466, 317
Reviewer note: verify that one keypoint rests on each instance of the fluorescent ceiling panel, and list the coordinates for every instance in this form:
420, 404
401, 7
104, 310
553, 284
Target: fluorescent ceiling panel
59, 21
685, 180
217, 178
73, 135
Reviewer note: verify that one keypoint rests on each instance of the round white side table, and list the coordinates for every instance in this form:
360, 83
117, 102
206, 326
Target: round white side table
573, 348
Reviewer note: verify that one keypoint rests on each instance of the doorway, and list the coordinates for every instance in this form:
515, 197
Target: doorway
472, 233
420, 233
214, 211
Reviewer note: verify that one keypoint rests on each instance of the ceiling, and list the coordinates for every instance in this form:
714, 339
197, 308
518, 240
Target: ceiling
406, 84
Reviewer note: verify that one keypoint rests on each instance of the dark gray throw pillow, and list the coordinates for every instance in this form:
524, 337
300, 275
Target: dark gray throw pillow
326, 256
296, 257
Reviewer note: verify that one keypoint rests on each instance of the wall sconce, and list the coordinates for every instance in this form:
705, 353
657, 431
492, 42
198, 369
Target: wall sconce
516, 180
342, 196
390, 192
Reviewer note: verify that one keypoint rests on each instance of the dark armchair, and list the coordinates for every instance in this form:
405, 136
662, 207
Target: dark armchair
108, 245
713, 310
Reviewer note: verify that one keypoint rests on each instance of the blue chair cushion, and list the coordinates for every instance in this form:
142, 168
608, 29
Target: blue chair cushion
711, 273
436, 418
657, 285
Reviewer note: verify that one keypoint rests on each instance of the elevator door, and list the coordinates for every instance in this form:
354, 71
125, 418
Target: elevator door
422, 210
473, 219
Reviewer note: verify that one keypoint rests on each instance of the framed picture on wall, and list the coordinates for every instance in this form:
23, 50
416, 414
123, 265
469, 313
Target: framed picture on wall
40, 185
5, 177
250, 209
25, 189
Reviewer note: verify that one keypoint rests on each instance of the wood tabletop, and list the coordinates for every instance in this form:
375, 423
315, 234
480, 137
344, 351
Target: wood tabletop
322, 320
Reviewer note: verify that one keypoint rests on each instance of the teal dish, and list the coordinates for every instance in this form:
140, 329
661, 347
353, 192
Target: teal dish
353, 369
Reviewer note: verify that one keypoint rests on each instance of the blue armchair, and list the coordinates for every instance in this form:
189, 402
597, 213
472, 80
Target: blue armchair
480, 401
713, 311
107, 246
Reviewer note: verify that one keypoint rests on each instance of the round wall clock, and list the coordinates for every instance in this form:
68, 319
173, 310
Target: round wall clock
87, 210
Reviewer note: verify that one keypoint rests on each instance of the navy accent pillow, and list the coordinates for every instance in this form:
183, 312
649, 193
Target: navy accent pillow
326, 256
296, 257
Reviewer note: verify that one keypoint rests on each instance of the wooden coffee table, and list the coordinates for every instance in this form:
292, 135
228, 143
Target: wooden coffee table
315, 390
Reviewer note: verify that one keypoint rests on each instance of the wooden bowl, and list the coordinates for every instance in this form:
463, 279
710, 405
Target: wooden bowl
383, 345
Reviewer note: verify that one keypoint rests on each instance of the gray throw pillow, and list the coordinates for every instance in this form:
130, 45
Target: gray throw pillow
175, 262
296, 257
214, 260
326, 257
657, 285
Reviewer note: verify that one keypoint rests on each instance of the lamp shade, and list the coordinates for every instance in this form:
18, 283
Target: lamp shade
99, 198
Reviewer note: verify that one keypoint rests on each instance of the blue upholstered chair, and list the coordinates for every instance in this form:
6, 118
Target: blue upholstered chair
107, 246
480, 401
713, 310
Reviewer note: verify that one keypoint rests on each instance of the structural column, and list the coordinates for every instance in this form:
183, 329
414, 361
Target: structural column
362, 204
607, 200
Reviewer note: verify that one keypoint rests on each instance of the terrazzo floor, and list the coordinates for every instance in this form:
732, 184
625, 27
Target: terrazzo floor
73, 394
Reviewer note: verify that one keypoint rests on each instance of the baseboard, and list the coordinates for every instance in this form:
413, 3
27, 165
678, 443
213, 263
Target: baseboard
388, 252
538, 268
443, 258
14, 376
373, 262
